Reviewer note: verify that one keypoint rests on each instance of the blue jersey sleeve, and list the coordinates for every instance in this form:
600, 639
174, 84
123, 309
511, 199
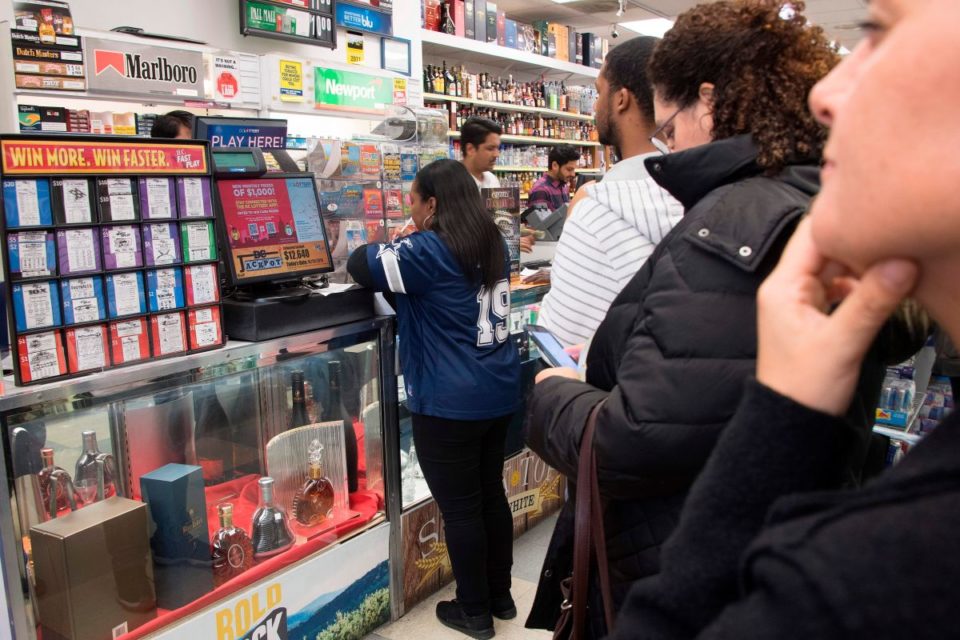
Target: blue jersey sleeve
407, 266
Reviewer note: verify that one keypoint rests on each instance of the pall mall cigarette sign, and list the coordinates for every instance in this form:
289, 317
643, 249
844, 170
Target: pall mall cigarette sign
117, 67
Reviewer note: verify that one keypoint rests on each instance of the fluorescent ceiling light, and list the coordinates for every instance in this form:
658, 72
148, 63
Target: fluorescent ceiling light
655, 27
564, 1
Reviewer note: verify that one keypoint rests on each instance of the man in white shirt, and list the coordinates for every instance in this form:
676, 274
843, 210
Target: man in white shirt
480, 146
613, 225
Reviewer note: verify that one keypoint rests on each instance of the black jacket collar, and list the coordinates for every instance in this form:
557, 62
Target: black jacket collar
690, 175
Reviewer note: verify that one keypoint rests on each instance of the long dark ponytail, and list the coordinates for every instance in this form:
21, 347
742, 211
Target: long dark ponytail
462, 222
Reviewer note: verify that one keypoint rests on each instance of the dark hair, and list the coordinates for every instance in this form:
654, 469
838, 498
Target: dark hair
626, 66
762, 65
475, 131
562, 154
168, 125
462, 221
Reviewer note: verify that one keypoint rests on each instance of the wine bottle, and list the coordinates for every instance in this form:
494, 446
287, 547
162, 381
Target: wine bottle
89, 466
313, 502
447, 25
299, 416
232, 548
211, 435
333, 411
271, 534
56, 486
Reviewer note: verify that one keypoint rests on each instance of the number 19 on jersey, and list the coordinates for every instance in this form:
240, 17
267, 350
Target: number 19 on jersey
494, 302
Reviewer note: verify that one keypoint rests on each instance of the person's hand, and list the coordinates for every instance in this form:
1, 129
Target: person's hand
806, 352
526, 243
557, 372
578, 196
404, 231
574, 351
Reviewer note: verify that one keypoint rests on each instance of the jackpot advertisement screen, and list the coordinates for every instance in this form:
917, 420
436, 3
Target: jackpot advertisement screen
273, 228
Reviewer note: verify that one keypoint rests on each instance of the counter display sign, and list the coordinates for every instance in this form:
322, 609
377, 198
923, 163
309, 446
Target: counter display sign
503, 205
119, 67
31, 156
273, 228
351, 91
307, 22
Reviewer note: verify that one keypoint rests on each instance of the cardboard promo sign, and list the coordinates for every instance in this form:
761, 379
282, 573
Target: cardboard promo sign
349, 90
127, 68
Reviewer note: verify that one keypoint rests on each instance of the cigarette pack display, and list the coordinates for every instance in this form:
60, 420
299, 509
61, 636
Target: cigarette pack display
32, 254
83, 300
78, 250
119, 199
26, 203
161, 244
121, 247
198, 242
125, 124
35, 67
96, 571
193, 198
180, 540
169, 334
125, 294
43, 54
158, 198
49, 83
29, 119
202, 284
41, 356
74, 201
87, 348
36, 305
165, 289
129, 341
205, 328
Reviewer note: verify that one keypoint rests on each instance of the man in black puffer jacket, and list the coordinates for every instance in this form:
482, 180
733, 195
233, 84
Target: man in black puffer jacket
678, 344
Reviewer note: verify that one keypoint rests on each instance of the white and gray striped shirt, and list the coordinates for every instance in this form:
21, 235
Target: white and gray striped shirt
604, 243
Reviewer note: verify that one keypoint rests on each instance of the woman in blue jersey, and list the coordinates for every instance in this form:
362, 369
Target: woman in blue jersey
462, 375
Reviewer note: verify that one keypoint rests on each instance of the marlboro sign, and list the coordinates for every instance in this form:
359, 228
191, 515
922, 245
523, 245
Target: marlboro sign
126, 68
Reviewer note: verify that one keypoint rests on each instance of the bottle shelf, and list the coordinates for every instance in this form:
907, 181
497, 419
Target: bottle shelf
509, 169
461, 49
506, 107
531, 140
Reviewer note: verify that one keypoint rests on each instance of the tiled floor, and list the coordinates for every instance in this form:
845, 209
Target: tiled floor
528, 553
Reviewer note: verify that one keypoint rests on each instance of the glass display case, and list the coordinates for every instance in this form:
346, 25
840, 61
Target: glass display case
173, 485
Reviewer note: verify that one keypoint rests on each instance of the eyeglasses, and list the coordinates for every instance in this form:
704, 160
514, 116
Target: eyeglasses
655, 139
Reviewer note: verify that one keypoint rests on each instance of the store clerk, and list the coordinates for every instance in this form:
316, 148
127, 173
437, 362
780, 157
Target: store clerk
175, 124
480, 145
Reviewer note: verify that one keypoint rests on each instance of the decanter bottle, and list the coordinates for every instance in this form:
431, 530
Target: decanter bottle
232, 548
313, 502
92, 463
271, 534
56, 486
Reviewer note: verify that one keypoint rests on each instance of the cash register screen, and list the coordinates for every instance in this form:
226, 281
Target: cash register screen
273, 229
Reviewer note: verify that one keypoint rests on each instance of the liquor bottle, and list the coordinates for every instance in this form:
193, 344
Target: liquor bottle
446, 22
333, 411
56, 486
298, 417
212, 435
448, 80
439, 82
232, 548
271, 534
313, 502
95, 469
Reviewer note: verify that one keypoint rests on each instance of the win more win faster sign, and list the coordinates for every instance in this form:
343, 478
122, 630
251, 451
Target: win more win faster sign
350, 90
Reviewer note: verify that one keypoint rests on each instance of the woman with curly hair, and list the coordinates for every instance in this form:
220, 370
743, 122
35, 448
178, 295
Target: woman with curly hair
670, 360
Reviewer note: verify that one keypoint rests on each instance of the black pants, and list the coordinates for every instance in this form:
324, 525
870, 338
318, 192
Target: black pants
462, 462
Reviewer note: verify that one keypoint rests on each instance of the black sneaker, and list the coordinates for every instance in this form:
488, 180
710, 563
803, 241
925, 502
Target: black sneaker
503, 608
451, 614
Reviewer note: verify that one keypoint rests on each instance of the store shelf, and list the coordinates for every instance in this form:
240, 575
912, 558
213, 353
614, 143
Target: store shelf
507, 169
463, 50
897, 434
511, 108
532, 140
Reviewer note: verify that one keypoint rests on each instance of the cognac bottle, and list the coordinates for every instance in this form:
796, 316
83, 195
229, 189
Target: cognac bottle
56, 486
232, 549
313, 502
212, 436
271, 534
89, 464
299, 416
334, 411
